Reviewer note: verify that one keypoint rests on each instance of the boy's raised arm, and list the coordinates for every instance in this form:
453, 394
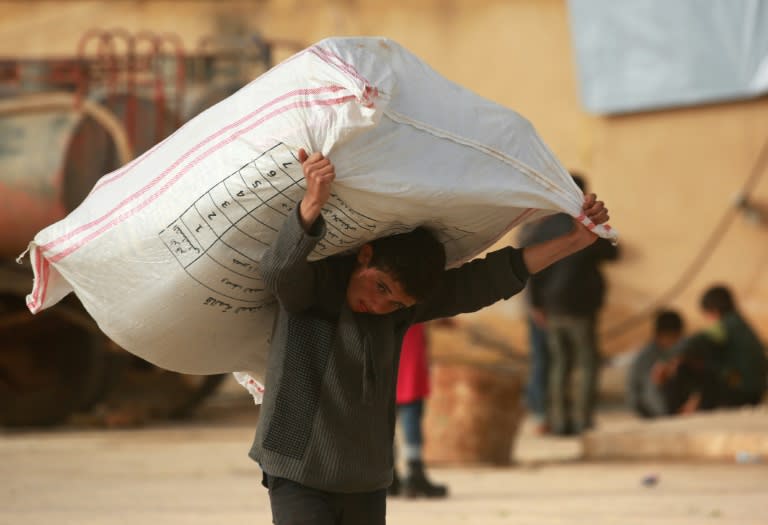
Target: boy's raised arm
318, 174
539, 256
284, 266
503, 273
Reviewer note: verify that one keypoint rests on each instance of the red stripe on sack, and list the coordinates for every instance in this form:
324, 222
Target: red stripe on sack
127, 168
42, 270
32, 302
41, 279
46, 274
172, 181
99, 183
341, 65
178, 161
369, 93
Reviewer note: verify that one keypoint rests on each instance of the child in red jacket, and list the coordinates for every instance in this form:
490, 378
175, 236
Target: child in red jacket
412, 390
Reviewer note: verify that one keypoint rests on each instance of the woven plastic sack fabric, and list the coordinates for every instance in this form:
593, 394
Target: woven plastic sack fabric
164, 252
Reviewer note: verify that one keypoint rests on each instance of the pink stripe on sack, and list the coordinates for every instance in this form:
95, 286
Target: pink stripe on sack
41, 282
177, 162
172, 181
42, 270
369, 92
342, 64
32, 301
129, 166
586, 221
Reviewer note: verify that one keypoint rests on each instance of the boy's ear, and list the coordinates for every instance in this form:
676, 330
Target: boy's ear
365, 254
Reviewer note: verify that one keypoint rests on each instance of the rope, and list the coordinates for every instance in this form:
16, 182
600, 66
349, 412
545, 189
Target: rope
758, 170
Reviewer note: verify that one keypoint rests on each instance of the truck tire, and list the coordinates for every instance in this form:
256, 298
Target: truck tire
49, 368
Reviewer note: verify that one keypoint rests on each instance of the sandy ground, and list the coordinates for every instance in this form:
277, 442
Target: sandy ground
198, 473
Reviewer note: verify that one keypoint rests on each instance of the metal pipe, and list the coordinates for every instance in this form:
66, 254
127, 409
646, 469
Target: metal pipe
61, 100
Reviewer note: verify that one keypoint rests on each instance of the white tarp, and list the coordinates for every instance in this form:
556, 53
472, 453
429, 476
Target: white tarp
164, 253
645, 54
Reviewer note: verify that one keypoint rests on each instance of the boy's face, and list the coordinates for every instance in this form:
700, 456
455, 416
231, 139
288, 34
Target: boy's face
374, 291
666, 340
712, 316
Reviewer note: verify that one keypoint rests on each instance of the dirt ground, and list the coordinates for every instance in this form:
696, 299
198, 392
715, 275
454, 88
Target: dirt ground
197, 473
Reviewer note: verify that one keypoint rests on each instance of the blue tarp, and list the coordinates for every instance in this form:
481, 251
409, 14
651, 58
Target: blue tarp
637, 55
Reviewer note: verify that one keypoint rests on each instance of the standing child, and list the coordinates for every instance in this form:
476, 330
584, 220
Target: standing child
412, 392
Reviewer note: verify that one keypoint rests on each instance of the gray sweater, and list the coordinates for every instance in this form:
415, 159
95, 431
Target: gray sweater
328, 415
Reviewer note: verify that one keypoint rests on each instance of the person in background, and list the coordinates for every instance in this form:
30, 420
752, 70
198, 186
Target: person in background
644, 395
722, 366
742, 360
729, 352
570, 293
412, 392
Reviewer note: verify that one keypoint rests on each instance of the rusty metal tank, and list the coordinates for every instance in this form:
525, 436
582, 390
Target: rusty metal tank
64, 123
53, 149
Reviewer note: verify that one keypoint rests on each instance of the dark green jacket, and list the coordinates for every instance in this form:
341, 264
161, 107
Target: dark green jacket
742, 359
328, 416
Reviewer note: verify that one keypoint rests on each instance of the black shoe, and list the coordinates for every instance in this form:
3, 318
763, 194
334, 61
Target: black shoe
416, 485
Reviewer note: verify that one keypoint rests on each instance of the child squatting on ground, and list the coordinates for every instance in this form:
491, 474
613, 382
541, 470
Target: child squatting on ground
326, 427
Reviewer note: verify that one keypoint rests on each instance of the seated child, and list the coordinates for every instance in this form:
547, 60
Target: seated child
643, 394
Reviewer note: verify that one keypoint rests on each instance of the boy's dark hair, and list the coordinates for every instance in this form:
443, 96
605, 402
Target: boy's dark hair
668, 322
718, 299
415, 259
579, 179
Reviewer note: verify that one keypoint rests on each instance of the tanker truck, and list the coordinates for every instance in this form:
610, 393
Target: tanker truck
65, 122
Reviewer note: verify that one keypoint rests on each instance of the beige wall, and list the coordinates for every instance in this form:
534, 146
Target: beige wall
668, 177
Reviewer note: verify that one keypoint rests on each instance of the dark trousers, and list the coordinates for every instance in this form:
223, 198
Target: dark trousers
695, 377
691, 378
295, 504
573, 373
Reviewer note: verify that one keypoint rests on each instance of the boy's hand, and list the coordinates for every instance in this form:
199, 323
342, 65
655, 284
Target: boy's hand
539, 317
595, 209
319, 174
540, 256
659, 373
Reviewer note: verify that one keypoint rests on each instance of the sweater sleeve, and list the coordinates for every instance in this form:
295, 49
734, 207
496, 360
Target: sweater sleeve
284, 266
476, 284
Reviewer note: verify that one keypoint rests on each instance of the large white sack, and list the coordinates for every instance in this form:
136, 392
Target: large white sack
164, 251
